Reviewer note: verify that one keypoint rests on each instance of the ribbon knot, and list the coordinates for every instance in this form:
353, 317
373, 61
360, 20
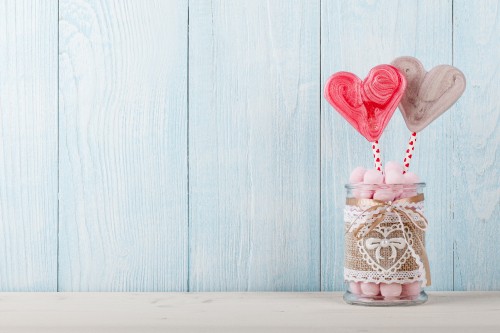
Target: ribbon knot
377, 244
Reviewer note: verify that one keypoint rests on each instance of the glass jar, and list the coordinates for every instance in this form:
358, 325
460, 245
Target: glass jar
385, 262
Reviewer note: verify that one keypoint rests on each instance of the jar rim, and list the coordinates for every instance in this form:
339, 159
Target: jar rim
357, 185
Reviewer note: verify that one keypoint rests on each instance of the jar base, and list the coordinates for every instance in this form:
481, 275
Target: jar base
354, 299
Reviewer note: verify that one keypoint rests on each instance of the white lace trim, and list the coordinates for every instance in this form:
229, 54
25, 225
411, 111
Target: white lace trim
354, 216
377, 277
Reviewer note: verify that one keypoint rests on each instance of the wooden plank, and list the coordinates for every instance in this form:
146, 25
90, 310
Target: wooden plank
241, 312
254, 99
475, 167
355, 36
28, 145
123, 145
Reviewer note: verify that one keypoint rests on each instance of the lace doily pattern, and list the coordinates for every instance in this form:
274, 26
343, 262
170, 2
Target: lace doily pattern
354, 216
391, 251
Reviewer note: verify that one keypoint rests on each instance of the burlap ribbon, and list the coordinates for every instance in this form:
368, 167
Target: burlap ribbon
377, 211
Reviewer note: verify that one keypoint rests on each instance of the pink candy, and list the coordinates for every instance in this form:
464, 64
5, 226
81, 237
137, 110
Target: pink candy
393, 173
393, 176
393, 166
411, 289
355, 288
370, 289
410, 178
384, 194
389, 290
373, 177
409, 191
363, 193
357, 175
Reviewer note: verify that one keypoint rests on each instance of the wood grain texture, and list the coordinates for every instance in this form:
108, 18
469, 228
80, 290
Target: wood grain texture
254, 97
28, 145
356, 36
475, 166
242, 312
123, 145
267, 156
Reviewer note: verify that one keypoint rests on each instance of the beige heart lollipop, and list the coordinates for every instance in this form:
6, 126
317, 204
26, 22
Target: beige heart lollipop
428, 94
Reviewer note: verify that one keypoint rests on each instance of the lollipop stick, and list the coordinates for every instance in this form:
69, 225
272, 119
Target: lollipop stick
409, 151
376, 156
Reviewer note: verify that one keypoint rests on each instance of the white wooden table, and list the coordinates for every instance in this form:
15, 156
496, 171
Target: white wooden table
241, 312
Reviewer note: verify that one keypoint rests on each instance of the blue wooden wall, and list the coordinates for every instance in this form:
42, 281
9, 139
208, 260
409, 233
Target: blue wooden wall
184, 145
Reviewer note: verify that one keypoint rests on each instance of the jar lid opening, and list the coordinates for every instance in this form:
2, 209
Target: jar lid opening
382, 186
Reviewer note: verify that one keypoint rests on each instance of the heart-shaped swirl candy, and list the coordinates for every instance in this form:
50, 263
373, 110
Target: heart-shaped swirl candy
367, 105
429, 94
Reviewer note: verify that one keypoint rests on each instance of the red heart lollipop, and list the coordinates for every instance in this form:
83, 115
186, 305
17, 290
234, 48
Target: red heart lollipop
367, 105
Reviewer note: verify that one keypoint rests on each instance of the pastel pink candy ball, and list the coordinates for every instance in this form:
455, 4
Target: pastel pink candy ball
411, 289
410, 178
370, 289
373, 176
394, 177
390, 290
384, 194
394, 166
357, 175
410, 191
355, 288
407, 193
362, 194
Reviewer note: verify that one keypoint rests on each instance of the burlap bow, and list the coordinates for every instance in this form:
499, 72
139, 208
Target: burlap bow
376, 213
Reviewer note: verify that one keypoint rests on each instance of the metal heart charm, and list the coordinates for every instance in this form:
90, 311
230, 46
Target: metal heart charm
428, 94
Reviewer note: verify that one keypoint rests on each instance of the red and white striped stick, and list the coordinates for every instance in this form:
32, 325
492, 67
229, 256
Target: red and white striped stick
376, 156
409, 151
